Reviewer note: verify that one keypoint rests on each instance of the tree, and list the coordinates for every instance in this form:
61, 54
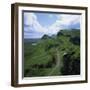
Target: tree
71, 66
59, 33
75, 40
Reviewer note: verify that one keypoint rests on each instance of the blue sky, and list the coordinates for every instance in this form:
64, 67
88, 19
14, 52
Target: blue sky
46, 19
37, 24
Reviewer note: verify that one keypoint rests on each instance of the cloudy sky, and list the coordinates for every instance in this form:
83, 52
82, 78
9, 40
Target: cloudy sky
37, 24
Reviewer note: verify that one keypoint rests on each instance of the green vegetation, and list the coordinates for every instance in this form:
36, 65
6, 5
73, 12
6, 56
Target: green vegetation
53, 55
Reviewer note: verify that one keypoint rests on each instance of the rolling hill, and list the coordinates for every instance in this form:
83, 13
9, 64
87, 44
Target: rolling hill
53, 55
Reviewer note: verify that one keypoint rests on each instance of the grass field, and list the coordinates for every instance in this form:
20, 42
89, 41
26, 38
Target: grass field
53, 55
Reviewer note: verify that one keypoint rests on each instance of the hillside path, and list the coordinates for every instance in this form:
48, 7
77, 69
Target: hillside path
57, 63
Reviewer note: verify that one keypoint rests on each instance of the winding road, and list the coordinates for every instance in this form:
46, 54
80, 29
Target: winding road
57, 62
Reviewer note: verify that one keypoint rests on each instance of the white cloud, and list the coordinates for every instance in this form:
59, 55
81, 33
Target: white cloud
32, 22
62, 22
29, 18
68, 19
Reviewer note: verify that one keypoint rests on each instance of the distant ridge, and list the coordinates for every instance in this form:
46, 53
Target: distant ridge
34, 40
68, 32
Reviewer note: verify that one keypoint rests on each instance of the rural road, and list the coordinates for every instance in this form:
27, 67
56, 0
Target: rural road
57, 63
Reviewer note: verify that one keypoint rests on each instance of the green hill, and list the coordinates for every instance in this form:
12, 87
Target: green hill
53, 55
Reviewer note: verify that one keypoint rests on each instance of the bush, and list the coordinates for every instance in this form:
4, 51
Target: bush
71, 66
75, 40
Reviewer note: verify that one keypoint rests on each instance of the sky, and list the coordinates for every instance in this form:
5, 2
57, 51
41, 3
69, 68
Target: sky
36, 24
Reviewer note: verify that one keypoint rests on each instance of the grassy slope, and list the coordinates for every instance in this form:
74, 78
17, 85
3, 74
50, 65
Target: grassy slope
38, 58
